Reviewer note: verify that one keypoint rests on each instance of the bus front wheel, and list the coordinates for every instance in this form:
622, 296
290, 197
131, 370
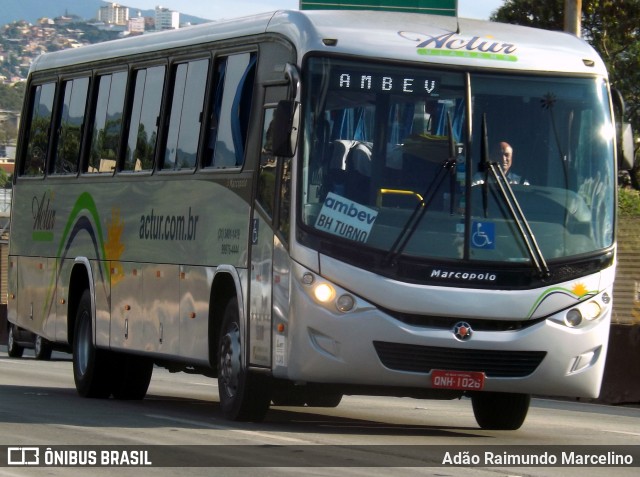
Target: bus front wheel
91, 371
244, 396
131, 376
500, 411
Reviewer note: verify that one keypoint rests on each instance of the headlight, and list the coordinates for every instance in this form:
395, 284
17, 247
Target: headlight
345, 303
573, 318
582, 313
324, 292
591, 310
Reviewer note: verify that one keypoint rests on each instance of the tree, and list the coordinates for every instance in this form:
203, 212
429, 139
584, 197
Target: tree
11, 96
546, 14
8, 133
612, 27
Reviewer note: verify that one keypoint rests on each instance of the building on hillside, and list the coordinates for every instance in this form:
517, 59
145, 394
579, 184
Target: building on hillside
136, 25
167, 19
114, 14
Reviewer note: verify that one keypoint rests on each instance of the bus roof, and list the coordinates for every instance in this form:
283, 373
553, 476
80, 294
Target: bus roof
377, 35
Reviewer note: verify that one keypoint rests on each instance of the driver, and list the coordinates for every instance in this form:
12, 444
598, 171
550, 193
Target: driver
505, 161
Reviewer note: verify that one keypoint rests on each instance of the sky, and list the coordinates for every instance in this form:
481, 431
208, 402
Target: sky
219, 9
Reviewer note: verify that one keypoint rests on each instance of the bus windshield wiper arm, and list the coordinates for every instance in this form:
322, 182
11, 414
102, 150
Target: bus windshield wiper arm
512, 204
422, 206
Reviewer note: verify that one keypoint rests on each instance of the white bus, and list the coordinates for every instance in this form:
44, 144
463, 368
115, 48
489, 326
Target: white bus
314, 204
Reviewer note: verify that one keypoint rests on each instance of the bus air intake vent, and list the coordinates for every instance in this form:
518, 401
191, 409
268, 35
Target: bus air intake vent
424, 359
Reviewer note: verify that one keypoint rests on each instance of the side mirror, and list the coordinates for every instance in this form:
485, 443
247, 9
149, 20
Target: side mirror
285, 128
624, 133
625, 147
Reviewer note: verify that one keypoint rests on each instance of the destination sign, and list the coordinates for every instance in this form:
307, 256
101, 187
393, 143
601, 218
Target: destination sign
375, 82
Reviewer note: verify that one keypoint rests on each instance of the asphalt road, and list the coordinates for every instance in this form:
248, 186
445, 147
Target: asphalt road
179, 424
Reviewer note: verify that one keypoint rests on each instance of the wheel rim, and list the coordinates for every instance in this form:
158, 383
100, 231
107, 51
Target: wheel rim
37, 346
230, 363
10, 341
83, 342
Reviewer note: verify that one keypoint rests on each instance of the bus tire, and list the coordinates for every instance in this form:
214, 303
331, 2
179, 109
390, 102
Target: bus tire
328, 399
42, 349
14, 350
132, 375
244, 396
284, 393
500, 411
91, 367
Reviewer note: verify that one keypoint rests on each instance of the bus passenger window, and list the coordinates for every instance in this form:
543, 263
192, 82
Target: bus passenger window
107, 124
69, 138
232, 98
145, 113
186, 111
39, 129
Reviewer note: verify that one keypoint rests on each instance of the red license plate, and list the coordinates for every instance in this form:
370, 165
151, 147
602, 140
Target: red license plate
463, 380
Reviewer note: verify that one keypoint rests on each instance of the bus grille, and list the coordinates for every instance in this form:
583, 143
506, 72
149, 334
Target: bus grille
424, 359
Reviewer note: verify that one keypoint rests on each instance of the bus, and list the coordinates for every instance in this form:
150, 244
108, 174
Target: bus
308, 205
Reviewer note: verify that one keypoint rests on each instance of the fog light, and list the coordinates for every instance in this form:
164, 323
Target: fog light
307, 279
323, 292
583, 361
345, 303
591, 311
573, 318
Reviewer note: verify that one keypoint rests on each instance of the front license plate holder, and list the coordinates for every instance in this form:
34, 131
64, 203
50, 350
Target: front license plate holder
460, 380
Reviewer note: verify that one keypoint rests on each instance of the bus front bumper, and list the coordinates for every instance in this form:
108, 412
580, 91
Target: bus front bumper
368, 347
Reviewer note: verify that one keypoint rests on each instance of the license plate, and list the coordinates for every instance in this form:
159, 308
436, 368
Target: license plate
463, 380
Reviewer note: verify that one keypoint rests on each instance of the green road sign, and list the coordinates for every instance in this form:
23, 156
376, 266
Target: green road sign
436, 7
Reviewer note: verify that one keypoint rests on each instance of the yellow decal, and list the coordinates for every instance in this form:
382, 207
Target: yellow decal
114, 247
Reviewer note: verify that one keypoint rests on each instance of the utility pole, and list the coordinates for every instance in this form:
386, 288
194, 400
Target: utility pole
573, 16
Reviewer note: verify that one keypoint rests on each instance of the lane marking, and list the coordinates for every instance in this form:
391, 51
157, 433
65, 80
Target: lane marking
257, 434
623, 432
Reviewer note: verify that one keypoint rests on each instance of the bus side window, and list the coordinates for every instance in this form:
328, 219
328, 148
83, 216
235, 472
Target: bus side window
67, 153
39, 130
145, 113
274, 181
107, 123
268, 166
229, 122
189, 84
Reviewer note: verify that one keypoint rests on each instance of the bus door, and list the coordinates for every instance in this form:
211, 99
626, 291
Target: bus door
262, 236
269, 229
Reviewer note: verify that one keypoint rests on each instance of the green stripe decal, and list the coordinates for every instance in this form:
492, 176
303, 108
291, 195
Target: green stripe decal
42, 236
84, 204
476, 55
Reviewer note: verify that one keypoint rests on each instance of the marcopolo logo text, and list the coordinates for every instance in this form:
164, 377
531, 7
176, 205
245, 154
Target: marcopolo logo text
463, 276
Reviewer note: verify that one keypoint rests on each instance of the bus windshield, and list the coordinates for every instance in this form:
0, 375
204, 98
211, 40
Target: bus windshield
386, 146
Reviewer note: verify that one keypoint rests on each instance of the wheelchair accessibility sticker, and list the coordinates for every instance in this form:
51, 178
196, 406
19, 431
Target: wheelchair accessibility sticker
483, 235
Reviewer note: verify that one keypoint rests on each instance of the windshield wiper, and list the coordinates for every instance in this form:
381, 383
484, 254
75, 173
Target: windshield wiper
410, 227
511, 202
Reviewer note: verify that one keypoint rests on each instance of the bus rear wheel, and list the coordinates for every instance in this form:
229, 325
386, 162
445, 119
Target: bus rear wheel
42, 349
500, 411
14, 350
91, 368
244, 396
